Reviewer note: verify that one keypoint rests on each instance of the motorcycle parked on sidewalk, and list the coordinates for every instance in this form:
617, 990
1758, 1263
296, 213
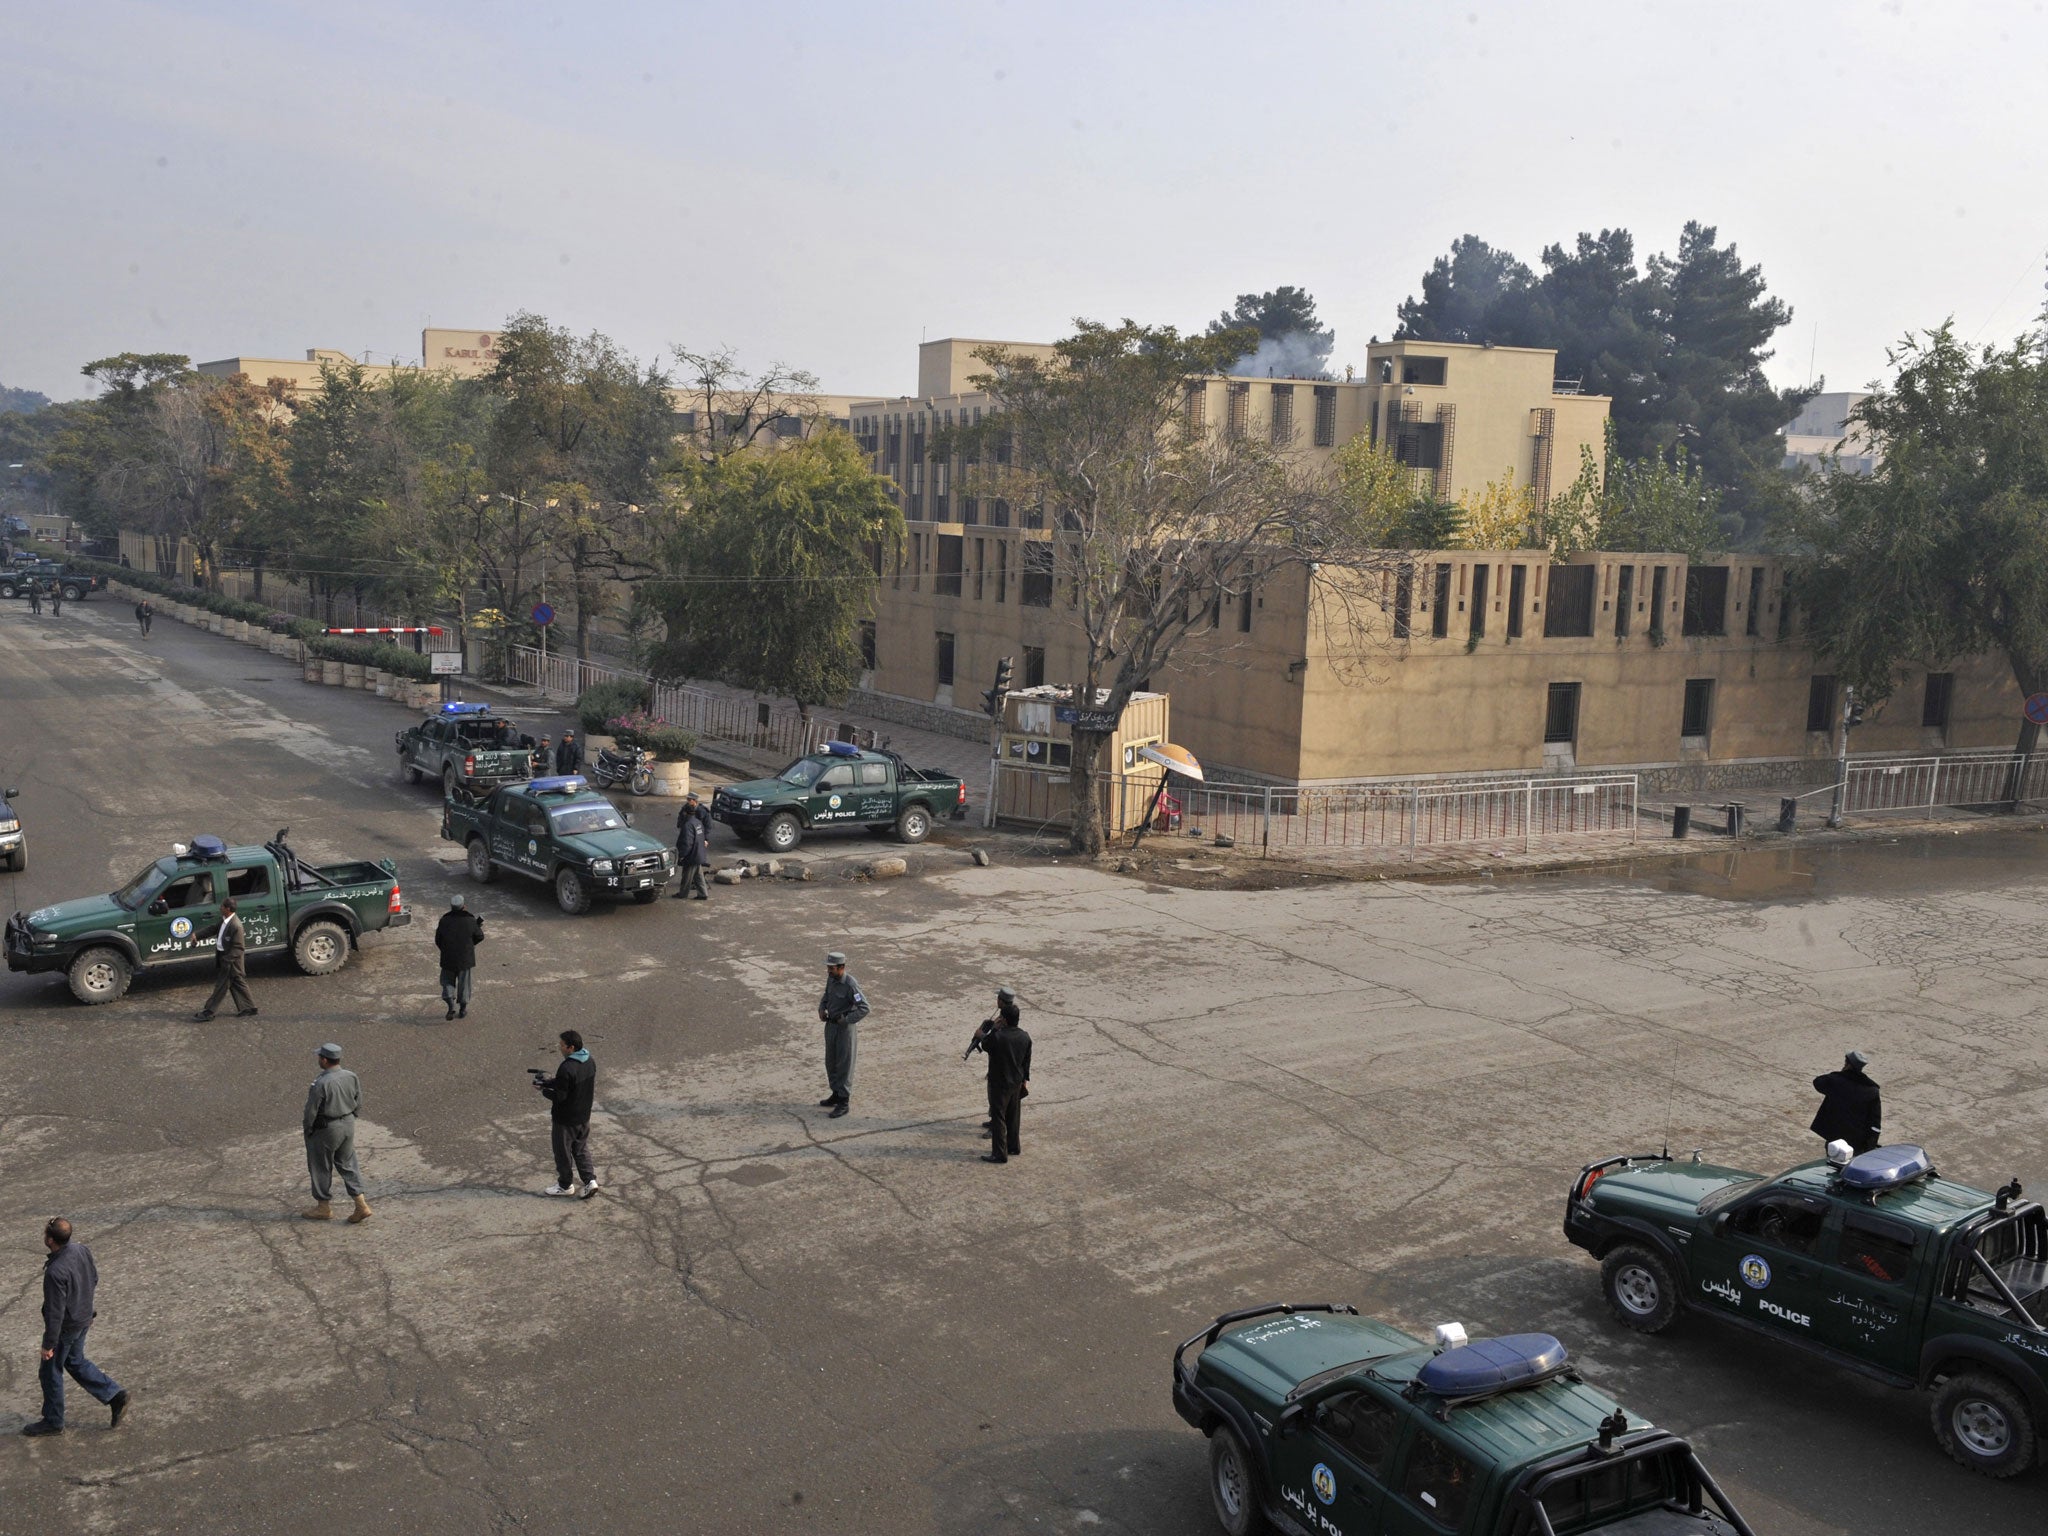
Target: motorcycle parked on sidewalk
631, 767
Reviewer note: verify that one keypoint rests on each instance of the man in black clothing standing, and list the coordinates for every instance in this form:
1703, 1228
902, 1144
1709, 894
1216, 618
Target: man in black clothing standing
1008, 1050
70, 1287
230, 966
456, 936
693, 851
1851, 1108
570, 1093
569, 755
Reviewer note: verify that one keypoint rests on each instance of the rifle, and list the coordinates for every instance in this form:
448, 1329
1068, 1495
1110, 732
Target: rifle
987, 1028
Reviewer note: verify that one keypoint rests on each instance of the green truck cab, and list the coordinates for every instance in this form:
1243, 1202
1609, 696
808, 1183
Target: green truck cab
466, 745
1872, 1262
562, 832
1327, 1423
840, 787
169, 913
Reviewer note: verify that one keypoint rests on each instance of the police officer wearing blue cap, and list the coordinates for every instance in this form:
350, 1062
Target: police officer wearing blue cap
841, 1008
330, 1122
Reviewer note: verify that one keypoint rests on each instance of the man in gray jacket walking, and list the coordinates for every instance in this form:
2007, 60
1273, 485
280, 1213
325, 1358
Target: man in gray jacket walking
330, 1123
70, 1292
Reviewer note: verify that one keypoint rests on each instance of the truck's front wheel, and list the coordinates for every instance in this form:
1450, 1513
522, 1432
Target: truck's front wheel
99, 975
914, 825
571, 894
481, 870
783, 832
321, 948
1984, 1423
1641, 1291
1233, 1484
412, 774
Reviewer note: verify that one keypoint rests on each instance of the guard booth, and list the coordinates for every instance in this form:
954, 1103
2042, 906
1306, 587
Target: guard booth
1035, 752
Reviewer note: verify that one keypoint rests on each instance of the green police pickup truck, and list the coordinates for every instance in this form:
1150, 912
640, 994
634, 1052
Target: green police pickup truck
840, 787
1327, 1423
169, 913
466, 745
49, 576
1872, 1262
562, 832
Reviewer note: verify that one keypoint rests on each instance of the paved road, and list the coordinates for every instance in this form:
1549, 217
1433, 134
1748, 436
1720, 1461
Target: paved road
776, 1322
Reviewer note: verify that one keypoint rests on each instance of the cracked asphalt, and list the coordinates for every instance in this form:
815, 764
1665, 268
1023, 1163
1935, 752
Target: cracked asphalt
774, 1321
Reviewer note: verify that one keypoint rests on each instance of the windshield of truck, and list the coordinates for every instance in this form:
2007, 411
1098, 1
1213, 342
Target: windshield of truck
572, 819
1604, 1495
488, 734
138, 891
800, 773
1732, 1192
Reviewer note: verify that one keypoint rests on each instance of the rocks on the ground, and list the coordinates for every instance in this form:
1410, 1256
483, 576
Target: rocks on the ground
888, 869
793, 870
768, 867
980, 857
730, 876
1225, 840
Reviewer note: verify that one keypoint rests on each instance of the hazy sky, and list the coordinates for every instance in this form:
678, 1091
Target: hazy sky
821, 184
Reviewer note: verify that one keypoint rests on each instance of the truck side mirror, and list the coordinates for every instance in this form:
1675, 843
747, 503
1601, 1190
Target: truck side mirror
159, 907
1290, 1419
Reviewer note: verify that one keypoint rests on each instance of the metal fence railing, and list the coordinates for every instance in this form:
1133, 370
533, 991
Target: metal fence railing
706, 712
1408, 814
1876, 785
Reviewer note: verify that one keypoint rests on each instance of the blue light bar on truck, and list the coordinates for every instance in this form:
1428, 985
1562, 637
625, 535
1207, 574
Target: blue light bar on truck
456, 707
842, 749
567, 785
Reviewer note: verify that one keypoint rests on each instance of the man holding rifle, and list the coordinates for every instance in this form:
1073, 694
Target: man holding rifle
1008, 1049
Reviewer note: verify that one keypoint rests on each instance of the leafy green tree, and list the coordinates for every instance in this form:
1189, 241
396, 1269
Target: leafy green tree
1679, 345
22, 402
1943, 550
1291, 339
772, 567
1148, 517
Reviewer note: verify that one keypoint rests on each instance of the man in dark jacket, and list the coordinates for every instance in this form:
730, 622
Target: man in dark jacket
1851, 1108
693, 851
569, 755
230, 966
570, 1094
1008, 1050
145, 611
456, 936
70, 1283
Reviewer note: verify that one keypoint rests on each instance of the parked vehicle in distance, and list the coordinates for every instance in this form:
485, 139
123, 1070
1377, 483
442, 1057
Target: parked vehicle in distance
49, 575
562, 832
1871, 1262
468, 745
840, 787
1321, 1421
13, 841
170, 912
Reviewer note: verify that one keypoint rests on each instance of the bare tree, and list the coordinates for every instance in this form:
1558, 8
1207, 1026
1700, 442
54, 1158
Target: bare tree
1148, 515
730, 408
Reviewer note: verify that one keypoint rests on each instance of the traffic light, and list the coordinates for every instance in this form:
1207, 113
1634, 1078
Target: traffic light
992, 700
1854, 717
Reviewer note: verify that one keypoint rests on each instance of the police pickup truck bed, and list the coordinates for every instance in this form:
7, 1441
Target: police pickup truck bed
465, 744
562, 832
1873, 1262
841, 787
170, 912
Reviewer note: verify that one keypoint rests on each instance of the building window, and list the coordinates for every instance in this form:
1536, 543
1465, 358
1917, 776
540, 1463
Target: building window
1404, 600
947, 581
1699, 709
1934, 705
1244, 607
1518, 592
1238, 401
1002, 570
1197, 409
1282, 415
1751, 617
916, 560
1424, 370
1440, 618
944, 658
1035, 577
867, 644
1479, 576
1568, 611
1561, 715
1326, 415
1706, 600
1624, 601
1419, 444
1820, 702
980, 566
1657, 605
1034, 666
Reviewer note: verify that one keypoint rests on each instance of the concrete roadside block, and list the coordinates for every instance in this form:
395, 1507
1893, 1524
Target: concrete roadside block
888, 869
981, 858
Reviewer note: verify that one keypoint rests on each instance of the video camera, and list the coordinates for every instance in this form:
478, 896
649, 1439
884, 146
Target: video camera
541, 1080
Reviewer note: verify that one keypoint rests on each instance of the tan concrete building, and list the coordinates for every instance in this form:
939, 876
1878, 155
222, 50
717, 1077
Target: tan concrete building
464, 353
1822, 429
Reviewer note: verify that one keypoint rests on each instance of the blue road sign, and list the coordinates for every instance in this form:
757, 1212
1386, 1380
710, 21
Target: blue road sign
543, 614
2037, 708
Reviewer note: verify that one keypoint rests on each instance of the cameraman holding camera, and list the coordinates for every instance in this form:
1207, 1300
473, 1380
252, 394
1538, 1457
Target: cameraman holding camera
570, 1093
1008, 1048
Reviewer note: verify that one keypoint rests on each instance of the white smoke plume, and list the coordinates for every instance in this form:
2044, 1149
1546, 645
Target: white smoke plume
1297, 355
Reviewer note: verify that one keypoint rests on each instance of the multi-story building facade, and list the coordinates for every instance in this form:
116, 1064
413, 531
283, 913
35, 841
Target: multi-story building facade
1823, 430
1463, 661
